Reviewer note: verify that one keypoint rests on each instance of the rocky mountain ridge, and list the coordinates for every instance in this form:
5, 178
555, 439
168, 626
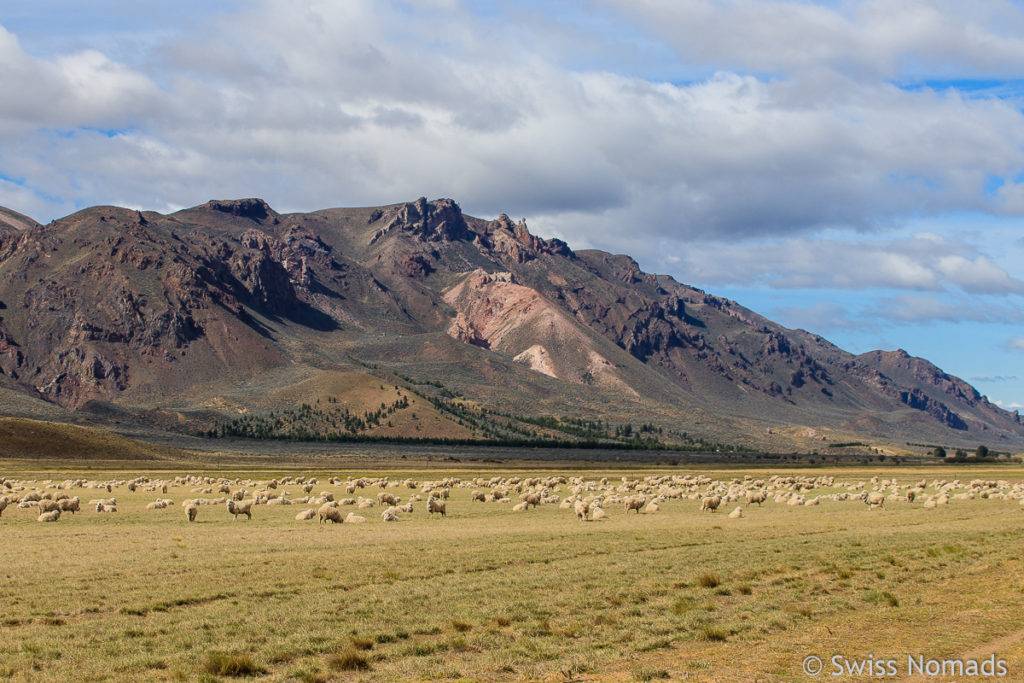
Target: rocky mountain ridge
225, 299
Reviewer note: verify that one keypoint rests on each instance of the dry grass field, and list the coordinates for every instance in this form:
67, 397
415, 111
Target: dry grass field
490, 594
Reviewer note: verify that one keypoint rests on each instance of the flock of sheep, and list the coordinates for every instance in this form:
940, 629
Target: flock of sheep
589, 499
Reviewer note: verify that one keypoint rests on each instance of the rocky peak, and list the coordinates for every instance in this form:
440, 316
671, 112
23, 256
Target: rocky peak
253, 208
438, 221
515, 241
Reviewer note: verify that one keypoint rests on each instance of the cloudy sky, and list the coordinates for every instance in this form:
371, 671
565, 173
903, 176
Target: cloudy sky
854, 168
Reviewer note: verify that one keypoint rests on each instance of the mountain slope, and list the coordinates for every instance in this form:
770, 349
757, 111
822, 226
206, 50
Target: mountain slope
221, 307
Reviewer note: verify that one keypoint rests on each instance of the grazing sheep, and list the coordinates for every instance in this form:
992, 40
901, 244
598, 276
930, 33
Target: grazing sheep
758, 497
436, 505
635, 503
737, 513
533, 499
389, 498
911, 495
710, 503
240, 508
306, 514
874, 499
51, 516
191, 512
353, 518
329, 512
479, 496
3, 504
582, 510
71, 505
48, 505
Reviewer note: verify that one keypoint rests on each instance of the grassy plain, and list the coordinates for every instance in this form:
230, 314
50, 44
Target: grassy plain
488, 594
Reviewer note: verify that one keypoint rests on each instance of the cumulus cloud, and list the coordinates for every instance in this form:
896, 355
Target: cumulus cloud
864, 37
913, 309
378, 102
924, 262
1015, 344
819, 316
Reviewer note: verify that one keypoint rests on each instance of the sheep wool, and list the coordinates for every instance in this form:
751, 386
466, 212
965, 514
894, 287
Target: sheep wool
329, 512
51, 516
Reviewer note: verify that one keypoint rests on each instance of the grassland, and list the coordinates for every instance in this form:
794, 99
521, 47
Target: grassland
487, 594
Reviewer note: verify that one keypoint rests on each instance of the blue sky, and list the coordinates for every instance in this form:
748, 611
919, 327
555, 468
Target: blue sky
854, 168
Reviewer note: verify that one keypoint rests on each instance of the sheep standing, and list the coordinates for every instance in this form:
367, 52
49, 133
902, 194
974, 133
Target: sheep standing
635, 503
329, 512
436, 505
191, 511
3, 504
582, 510
240, 508
875, 499
710, 503
71, 505
758, 497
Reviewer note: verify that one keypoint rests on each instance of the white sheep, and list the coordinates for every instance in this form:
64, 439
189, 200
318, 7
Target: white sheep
240, 508
353, 518
758, 497
436, 505
874, 499
51, 516
737, 513
306, 514
582, 510
329, 512
71, 505
635, 503
710, 503
390, 515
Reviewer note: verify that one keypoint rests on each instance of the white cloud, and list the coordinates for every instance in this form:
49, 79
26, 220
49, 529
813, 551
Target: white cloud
923, 262
913, 309
864, 37
1015, 344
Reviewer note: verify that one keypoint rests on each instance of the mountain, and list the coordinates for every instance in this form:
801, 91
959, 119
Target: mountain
417, 320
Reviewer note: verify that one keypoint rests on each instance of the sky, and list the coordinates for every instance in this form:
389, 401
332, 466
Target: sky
853, 168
